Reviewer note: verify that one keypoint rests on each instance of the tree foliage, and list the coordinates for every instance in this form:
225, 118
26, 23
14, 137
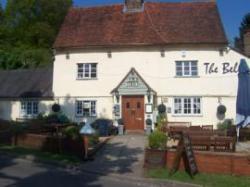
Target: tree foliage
27, 31
245, 24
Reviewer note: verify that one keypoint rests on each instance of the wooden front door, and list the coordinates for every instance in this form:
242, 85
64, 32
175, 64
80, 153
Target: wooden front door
133, 112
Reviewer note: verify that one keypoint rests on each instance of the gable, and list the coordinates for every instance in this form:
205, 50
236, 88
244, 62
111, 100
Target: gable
133, 84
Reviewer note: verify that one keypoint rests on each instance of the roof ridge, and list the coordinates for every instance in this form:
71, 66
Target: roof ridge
147, 2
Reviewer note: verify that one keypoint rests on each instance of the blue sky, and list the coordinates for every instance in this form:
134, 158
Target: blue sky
232, 11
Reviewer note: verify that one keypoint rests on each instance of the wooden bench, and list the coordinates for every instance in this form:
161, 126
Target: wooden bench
201, 143
224, 144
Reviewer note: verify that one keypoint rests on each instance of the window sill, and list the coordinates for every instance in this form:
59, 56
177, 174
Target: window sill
183, 115
86, 116
86, 79
195, 77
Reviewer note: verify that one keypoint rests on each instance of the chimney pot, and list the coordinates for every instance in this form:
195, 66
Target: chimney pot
133, 5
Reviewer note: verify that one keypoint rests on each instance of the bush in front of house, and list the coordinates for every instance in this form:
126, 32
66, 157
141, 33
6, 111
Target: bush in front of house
157, 140
53, 118
72, 132
226, 124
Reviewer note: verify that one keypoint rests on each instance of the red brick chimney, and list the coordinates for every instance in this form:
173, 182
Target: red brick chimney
246, 41
133, 5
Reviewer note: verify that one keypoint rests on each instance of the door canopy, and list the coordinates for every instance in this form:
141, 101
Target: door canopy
133, 84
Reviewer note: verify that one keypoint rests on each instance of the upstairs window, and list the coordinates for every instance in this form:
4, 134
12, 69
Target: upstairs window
86, 108
87, 71
186, 68
29, 109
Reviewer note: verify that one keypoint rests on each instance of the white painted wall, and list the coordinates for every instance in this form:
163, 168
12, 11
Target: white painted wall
158, 72
11, 109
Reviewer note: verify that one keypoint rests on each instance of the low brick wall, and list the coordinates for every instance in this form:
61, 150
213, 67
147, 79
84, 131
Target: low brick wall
215, 162
49, 143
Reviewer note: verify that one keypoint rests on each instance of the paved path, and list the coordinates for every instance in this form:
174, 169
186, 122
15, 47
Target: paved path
122, 155
26, 173
119, 163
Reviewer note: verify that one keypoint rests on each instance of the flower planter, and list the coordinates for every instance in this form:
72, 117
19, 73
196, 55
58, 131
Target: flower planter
154, 158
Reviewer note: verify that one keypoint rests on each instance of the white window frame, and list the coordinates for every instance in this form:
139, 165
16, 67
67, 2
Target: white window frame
24, 113
191, 72
182, 109
86, 75
92, 110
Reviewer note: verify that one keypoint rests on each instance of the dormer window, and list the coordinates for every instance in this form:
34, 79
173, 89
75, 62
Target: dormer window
133, 5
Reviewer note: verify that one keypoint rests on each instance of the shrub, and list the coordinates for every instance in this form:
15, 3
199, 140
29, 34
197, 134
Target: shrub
57, 118
72, 132
226, 124
93, 140
157, 140
18, 128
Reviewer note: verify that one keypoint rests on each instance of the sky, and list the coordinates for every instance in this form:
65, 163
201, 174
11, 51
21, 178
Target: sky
231, 11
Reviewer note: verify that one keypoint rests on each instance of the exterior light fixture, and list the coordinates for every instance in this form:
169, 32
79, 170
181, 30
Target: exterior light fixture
109, 54
117, 96
219, 100
149, 96
162, 53
183, 54
67, 56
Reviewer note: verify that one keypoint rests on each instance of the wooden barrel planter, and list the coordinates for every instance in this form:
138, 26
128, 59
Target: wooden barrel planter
154, 158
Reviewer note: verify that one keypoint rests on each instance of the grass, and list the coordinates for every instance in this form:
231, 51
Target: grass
62, 159
207, 180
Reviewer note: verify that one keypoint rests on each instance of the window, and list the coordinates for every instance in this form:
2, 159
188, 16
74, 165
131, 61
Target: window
29, 108
87, 71
86, 108
187, 105
186, 68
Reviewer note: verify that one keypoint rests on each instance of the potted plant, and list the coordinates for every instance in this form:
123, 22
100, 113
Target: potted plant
120, 126
155, 153
149, 126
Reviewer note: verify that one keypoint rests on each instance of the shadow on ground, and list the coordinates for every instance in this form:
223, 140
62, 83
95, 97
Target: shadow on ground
121, 156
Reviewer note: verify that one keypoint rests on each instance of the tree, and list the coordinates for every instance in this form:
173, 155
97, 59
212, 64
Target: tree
29, 30
245, 24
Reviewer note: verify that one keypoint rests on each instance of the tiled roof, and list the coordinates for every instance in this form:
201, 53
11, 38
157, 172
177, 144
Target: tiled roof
26, 83
158, 24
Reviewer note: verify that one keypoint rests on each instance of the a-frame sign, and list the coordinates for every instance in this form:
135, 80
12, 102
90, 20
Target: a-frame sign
185, 150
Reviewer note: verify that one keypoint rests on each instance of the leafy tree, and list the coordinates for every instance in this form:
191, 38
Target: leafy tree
28, 29
245, 24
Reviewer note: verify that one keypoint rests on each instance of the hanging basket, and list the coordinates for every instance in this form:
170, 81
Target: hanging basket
56, 108
162, 108
221, 109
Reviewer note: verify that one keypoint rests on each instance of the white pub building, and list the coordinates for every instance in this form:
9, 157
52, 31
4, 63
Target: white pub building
123, 60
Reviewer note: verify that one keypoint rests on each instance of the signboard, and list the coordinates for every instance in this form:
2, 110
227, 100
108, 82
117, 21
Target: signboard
149, 108
116, 110
189, 153
223, 68
185, 150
